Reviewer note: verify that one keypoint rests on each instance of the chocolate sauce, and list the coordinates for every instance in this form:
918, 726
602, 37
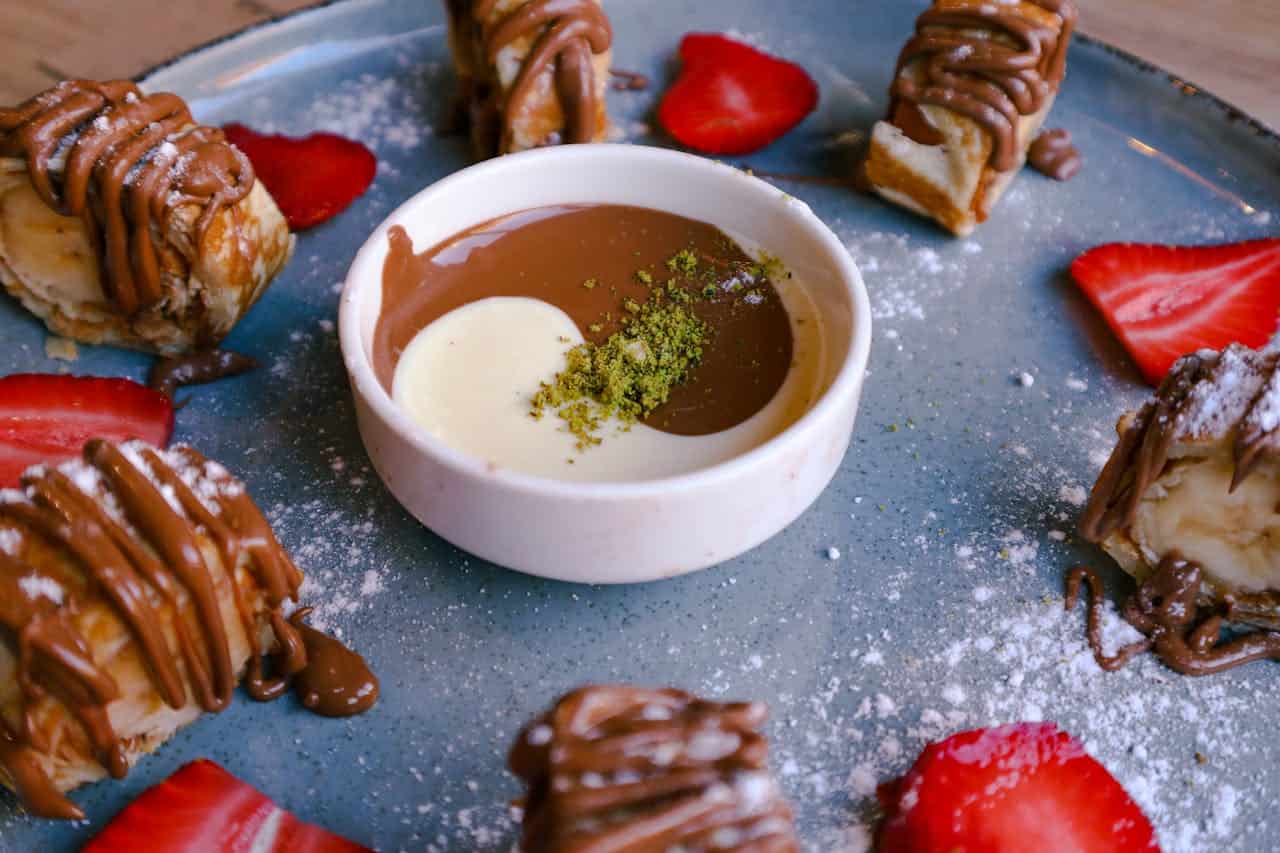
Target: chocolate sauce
336, 681
1165, 609
994, 80
565, 35
1053, 155
129, 528
629, 81
169, 374
126, 161
622, 768
549, 253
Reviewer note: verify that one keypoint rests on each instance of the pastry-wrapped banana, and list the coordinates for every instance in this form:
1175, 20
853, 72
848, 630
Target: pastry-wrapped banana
1196, 478
124, 222
138, 587
531, 72
630, 770
972, 88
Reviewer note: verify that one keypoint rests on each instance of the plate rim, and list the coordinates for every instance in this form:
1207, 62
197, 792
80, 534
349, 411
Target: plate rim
1230, 111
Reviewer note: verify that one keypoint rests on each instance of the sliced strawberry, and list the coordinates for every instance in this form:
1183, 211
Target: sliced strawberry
48, 417
733, 99
1166, 301
313, 178
203, 808
1011, 789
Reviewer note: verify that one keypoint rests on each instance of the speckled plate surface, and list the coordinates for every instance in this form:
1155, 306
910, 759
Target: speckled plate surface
953, 511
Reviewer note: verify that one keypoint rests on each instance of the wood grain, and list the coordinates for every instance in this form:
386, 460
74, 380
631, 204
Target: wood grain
1230, 47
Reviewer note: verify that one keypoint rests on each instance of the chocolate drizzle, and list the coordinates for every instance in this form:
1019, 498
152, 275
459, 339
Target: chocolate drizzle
130, 527
1165, 610
565, 35
122, 162
1233, 395
169, 374
622, 768
993, 80
1053, 155
336, 681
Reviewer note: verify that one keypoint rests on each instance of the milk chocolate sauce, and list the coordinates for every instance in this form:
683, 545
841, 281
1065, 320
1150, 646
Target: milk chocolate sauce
126, 161
143, 557
994, 80
336, 681
629, 81
548, 253
169, 374
566, 34
628, 769
1053, 155
1165, 610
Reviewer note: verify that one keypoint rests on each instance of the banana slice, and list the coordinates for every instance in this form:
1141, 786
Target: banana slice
1196, 475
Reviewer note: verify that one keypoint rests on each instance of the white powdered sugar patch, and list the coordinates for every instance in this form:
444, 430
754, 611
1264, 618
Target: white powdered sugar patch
389, 114
39, 586
903, 277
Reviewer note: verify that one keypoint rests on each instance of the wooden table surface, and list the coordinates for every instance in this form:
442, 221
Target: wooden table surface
1230, 47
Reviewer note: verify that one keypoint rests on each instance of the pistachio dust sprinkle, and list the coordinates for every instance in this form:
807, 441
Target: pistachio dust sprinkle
629, 374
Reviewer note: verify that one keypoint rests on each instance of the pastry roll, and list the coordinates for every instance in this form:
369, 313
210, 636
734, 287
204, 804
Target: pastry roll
124, 222
629, 770
531, 72
138, 587
1196, 478
972, 88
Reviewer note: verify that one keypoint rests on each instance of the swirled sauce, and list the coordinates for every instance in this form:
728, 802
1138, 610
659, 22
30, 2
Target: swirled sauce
122, 162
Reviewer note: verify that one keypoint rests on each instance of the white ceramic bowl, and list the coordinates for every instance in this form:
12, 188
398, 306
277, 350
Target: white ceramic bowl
614, 532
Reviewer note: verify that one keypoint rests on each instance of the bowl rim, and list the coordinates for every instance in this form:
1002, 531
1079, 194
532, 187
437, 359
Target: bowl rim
365, 383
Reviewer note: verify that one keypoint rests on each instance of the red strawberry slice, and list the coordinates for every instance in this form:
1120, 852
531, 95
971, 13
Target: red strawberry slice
203, 808
1166, 301
48, 417
313, 178
1027, 786
733, 99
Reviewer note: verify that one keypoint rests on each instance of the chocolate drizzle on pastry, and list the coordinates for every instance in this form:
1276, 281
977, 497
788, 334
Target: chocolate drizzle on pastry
1053, 155
131, 527
1234, 395
563, 36
628, 769
1165, 610
995, 79
123, 162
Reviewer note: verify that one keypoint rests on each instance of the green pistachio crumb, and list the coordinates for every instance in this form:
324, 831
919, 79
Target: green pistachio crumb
626, 376
590, 284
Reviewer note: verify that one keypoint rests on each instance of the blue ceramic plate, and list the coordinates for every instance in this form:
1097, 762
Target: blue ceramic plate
952, 514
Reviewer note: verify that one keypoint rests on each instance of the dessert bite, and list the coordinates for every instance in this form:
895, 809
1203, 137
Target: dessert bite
625, 768
596, 342
138, 587
123, 221
971, 91
1196, 478
531, 72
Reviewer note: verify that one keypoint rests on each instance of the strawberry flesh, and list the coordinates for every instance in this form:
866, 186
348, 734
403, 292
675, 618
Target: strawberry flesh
204, 808
733, 99
48, 417
1027, 786
312, 178
1166, 301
